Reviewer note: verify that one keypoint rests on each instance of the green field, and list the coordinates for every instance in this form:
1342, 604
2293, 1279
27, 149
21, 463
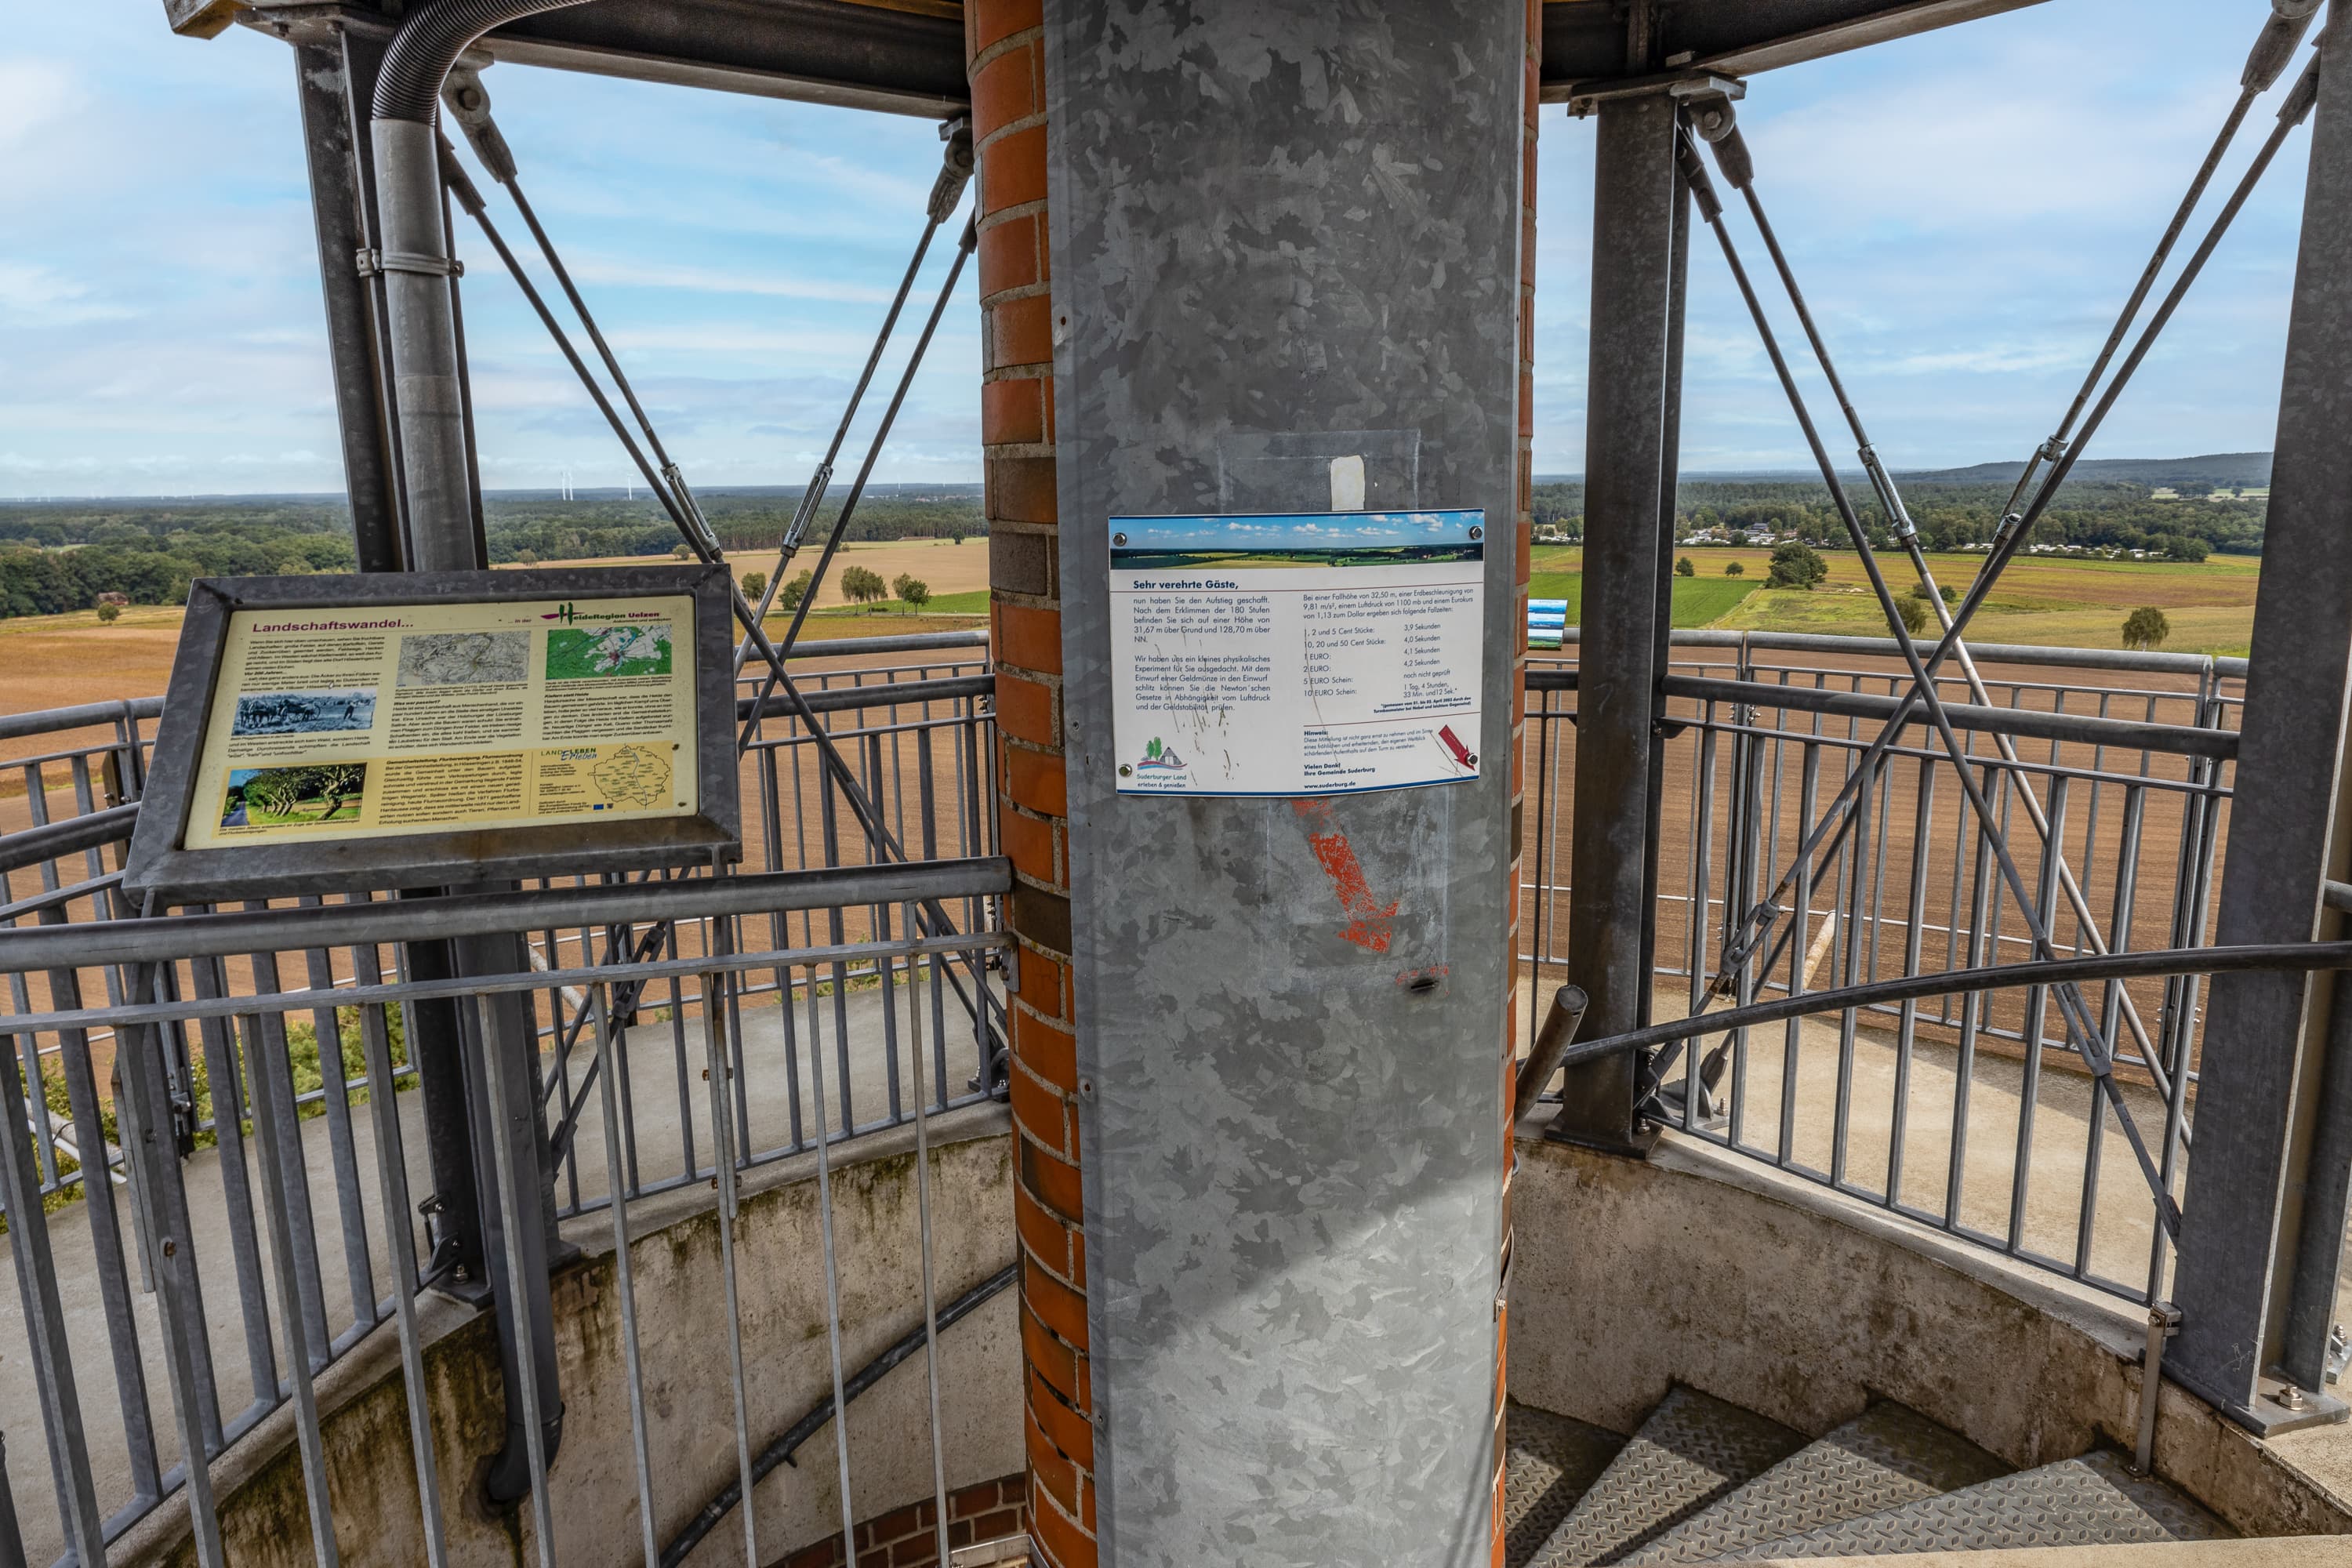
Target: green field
2040, 601
1698, 601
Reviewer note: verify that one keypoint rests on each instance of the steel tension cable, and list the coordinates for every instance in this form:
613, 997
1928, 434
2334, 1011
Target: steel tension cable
840, 529
1717, 123
2017, 526
946, 193
2087, 1037
868, 818
2273, 52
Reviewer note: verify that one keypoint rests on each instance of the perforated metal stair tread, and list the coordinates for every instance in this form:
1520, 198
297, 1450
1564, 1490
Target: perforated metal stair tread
2095, 1501
1692, 1450
1883, 1459
1549, 1462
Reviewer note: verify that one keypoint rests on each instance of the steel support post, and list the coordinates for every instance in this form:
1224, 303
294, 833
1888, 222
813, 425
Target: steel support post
1630, 409
1663, 627
2261, 1075
334, 73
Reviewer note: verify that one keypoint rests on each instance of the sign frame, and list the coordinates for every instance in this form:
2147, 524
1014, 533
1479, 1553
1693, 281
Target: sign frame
161, 871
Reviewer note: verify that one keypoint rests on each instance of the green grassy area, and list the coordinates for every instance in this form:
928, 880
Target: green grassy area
1698, 601
2040, 602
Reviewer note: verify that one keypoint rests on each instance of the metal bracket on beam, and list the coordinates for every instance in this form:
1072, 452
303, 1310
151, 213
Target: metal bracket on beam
1584, 97
372, 263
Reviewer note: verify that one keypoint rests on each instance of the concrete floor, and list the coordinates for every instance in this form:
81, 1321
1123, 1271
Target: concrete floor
662, 1076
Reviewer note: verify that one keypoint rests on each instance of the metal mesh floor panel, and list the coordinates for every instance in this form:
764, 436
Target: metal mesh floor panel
2094, 1500
1692, 1450
1885, 1457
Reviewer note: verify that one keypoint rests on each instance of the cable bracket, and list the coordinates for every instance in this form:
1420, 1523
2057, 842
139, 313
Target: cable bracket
374, 263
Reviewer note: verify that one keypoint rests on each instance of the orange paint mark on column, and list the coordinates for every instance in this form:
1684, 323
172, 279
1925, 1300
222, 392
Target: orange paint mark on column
1374, 926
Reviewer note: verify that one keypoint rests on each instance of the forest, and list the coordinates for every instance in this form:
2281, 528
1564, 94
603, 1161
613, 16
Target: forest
2104, 513
60, 556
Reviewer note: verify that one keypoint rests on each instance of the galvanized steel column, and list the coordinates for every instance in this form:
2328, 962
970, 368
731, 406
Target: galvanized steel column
1631, 400
2265, 1034
1286, 219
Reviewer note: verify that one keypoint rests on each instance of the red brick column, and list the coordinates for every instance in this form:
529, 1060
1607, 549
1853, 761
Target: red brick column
1523, 534
1004, 40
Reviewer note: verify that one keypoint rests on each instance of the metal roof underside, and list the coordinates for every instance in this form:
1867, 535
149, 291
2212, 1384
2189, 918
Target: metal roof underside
907, 57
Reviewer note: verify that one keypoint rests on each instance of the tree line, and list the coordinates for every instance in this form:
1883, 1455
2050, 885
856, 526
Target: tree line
2103, 515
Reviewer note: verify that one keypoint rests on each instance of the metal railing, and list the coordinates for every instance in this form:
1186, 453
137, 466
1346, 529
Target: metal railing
201, 1227
1962, 1108
839, 1020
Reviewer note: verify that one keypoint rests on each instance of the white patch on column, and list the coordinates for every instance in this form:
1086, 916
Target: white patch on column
1347, 484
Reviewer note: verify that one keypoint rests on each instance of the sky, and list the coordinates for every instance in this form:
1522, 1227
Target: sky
1966, 209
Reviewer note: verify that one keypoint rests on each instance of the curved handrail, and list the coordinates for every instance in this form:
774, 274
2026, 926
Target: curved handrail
2299, 956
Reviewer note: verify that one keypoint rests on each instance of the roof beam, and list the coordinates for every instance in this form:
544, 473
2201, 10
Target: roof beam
1584, 40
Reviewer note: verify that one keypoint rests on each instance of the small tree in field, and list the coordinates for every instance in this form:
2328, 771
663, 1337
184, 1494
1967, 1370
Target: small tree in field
1684, 568
912, 590
1734, 569
2146, 627
682, 551
109, 613
1797, 565
1915, 613
864, 588
791, 594
754, 584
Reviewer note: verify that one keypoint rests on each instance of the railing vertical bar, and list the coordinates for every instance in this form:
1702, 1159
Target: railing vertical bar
931, 1291
832, 1276
106, 1235
677, 1057
270, 1136
181, 1318
624, 1270
503, 1096
225, 1071
52, 1354
1865, 802
342, 1150
2037, 1020
391, 1178
1964, 1074
270, 1061
1906, 1036
1800, 958
724, 1159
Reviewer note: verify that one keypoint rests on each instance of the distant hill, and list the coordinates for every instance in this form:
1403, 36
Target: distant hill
2224, 470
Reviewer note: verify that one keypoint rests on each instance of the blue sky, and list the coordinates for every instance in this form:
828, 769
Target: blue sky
1966, 210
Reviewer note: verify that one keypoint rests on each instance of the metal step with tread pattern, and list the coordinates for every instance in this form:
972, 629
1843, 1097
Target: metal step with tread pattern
1549, 1461
2095, 1501
1693, 1449
1887, 1457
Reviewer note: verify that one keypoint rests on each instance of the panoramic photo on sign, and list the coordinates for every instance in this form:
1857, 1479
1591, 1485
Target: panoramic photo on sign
403, 718
1319, 653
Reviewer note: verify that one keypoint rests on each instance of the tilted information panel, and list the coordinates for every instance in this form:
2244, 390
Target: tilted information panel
427, 728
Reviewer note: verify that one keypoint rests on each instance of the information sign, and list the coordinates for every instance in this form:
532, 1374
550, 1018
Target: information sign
1308, 654
396, 728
